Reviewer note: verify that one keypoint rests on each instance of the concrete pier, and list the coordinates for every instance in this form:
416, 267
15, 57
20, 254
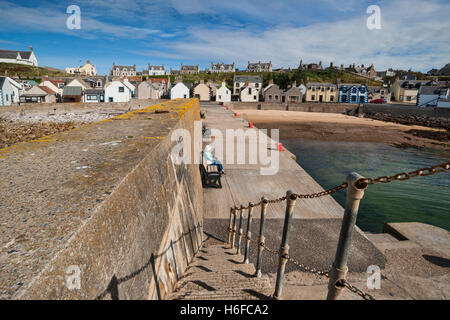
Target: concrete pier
316, 225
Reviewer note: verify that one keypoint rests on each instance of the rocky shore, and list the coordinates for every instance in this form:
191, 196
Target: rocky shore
432, 122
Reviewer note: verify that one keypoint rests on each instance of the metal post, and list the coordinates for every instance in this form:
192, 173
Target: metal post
249, 232
230, 226
355, 193
234, 227
261, 238
238, 251
284, 248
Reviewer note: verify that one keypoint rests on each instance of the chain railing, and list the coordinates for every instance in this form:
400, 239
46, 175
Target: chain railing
355, 186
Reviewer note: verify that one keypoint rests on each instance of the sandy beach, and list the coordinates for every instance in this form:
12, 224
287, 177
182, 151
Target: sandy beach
339, 127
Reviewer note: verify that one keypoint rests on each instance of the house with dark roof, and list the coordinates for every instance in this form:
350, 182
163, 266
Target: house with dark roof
428, 96
259, 66
353, 93
189, 69
406, 91
310, 66
272, 93
240, 82
38, 94
321, 92
19, 57
154, 70
72, 94
293, 94
222, 67
123, 71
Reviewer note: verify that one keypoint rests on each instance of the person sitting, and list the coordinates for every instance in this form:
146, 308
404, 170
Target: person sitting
211, 160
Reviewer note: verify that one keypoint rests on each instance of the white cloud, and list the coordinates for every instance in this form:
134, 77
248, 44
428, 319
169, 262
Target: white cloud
54, 20
414, 35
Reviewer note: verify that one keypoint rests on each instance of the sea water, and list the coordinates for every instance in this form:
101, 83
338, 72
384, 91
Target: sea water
420, 199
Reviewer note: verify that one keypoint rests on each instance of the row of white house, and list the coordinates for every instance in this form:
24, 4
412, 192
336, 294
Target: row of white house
202, 91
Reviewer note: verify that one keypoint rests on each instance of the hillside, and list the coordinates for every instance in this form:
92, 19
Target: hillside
285, 78
29, 72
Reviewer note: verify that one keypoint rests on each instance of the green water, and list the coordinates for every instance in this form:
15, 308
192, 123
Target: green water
421, 199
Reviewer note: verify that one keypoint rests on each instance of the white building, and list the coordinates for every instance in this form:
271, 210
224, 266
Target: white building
240, 82
87, 70
223, 94
17, 88
250, 93
222, 67
117, 91
155, 71
19, 57
179, 91
123, 71
130, 86
430, 95
7, 94
78, 83
55, 85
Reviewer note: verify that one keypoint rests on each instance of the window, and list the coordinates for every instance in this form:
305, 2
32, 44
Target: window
111, 99
121, 89
313, 97
270, 97
276, 97
322, 89
249, 90
408, 98
313, 89
220, 97
254, 97
331, 98
7, 97
256, 85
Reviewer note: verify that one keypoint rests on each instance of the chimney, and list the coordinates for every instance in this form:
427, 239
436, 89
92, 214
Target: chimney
295, 84
88, 62
270, 81
31, 48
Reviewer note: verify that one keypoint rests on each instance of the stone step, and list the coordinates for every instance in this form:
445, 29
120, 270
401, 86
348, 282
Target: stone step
217, 274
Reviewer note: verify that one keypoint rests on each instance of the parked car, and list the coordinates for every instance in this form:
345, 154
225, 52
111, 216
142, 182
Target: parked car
378, 101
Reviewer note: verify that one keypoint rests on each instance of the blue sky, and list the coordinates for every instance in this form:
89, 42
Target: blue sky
414, 33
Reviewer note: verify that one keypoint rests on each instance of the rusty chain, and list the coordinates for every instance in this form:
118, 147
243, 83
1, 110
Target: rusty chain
423, 172
361, 183
344, 283
365, 181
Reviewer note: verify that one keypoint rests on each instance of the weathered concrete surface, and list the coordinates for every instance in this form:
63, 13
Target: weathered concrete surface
105, 198
27, 109
424, 235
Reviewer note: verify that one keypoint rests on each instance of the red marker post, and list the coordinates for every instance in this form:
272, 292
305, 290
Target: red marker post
250, 124
280, 146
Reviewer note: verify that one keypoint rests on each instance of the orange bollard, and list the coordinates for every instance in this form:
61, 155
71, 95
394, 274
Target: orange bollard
280, 146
